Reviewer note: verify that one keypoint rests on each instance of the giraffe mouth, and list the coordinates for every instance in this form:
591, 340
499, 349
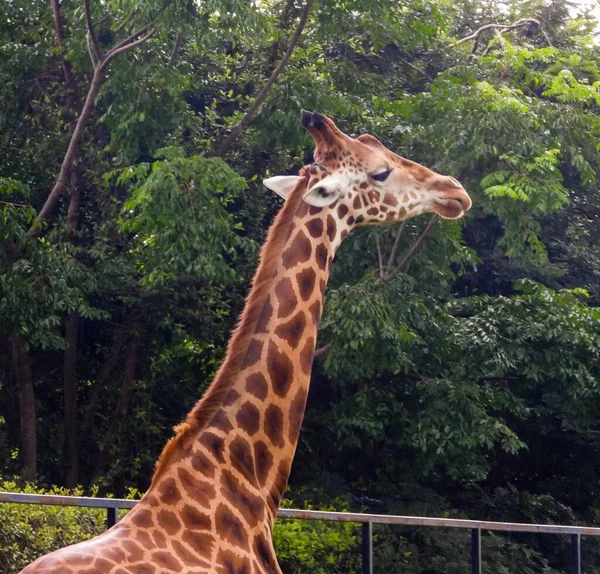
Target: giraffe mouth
451, 208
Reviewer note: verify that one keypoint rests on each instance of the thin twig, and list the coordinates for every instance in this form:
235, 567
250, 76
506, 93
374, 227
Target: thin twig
92, 34
323, 350
115, 51
505, 28
418, 243
392, 256
252, 112
379, 256
176, 50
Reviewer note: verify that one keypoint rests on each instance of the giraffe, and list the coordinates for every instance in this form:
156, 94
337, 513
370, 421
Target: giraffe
218, 483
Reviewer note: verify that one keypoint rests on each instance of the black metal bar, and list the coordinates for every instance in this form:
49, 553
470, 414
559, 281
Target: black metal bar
112, 516
575, 554
476, 551
367, 548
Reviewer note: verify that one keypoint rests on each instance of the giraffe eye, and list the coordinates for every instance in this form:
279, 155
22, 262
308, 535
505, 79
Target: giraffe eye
381, 176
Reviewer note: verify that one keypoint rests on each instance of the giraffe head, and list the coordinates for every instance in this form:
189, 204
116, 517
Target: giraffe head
365, 183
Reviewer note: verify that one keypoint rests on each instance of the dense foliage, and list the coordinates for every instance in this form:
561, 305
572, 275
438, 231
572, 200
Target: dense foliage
458, 372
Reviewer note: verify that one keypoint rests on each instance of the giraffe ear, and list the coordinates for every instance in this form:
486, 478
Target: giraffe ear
282, 185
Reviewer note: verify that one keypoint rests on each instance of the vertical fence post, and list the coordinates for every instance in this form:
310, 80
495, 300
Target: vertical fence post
575, 554
112, 516
476, 551
367, 548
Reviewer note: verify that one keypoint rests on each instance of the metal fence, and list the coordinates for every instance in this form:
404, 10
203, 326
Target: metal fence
112, 506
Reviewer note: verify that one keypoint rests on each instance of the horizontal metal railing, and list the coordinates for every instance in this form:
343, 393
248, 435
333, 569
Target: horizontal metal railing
112, 506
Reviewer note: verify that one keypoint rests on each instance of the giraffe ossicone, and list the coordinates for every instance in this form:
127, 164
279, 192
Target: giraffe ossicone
218, 483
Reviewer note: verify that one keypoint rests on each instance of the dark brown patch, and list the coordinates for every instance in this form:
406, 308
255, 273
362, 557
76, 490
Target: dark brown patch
274, 425
360, 219
113, 553
199, 542
202, 464
133, 549
298, 252
159, 539
200, 491
135, 569
306, 282
231, 563
264, 461
302, 210
297, 414
229, 527
231, 397
187, 557
315, 227
306, 355
281, 370
313, 210
263, 550
372, 211
342, 210
331, 227
365, 200
291, 332
321, 255
278, 488
250, 505
221, 421
253, 353
286, 298
169, 521
350, 220
364, 185
248, 418
214, 444
390, 199
420, 173
193, 519
356, 203
164, 560
242, 460
142, 518
169, 493
103, 565
265, 317
256, 385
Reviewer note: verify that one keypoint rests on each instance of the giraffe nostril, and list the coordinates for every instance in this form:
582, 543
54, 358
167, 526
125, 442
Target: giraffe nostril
455, 182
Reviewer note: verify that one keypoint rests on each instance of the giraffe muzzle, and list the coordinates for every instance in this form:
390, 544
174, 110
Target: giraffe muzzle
312, 120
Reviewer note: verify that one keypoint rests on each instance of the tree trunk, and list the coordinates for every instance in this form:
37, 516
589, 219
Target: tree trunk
70, 397
120, 410
22, 367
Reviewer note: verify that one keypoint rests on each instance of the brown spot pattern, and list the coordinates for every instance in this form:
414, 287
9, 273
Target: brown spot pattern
291, 332
315, 227
331, 227
214, 444
199, 490
263, 460
229, 527
274, 425
242, 460
321, 255
306, 355
281, 370
306, 282
256, 385
265, 317
250, 505
248, 418
252, 354
169, 493
286, 298
298, 252
193, 519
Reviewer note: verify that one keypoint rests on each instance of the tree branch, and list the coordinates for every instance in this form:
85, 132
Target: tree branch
123, 48
252, 111
322, 351
412, 252
176, 50
95, 46
501, 27
392, 256
60, 38
379, 256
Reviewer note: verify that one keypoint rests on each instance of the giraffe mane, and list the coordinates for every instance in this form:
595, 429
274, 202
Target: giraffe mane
270, 256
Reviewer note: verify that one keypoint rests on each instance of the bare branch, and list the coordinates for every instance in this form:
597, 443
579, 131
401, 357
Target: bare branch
323, 350
60, 37
176, 50
95, 46
412, 252
379, 256
504, 28
392, 256
252, 112
129, 39
115, 51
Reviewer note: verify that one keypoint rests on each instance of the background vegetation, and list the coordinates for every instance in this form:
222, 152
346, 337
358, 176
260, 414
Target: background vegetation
458, 371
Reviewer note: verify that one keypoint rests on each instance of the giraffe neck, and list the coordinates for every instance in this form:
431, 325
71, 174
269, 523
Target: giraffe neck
227, 478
